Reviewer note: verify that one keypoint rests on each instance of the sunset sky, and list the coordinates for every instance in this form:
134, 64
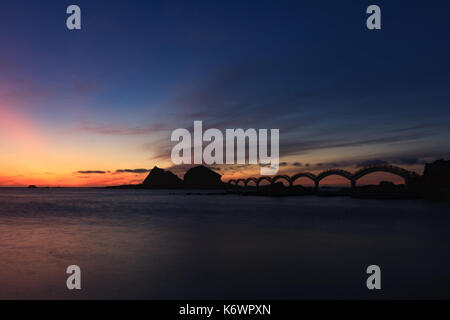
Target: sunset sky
97, 106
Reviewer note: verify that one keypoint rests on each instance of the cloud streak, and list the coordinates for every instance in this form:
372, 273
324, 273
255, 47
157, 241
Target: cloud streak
92, 172
138, 171
119, 130
118, 171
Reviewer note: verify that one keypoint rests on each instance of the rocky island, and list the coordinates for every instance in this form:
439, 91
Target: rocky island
199, 177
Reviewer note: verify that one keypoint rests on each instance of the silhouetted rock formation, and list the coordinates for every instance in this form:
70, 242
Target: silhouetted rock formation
202, 178
437, 174
32, 186
162, 179
436, 179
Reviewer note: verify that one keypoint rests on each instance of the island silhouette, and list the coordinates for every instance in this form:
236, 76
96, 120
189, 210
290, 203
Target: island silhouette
199, 177
434, 183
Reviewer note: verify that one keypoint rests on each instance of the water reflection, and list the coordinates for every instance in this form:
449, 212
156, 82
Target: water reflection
152, 244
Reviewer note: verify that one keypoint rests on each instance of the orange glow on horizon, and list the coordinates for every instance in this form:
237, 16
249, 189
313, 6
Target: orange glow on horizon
111, 178
33, 154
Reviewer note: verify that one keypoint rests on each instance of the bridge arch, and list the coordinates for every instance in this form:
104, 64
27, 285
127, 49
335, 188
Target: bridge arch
308, 175
403, 173
333, 172
251, 180
232, 182
263, 179
241, 181
281, 177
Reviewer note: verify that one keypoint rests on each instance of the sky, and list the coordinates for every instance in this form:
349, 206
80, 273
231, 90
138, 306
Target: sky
97, 106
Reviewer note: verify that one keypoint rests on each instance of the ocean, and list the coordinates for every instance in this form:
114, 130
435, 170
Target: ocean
164, 244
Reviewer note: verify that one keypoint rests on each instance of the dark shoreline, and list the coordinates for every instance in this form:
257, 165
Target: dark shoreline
356, 193
391, 192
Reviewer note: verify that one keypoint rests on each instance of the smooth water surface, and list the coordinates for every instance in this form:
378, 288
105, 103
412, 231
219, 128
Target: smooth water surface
171, 245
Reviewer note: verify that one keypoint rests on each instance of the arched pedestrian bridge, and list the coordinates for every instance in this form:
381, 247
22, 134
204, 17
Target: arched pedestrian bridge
352, 177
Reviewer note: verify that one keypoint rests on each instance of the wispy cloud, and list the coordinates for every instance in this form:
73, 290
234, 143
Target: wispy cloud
138, 171
298, 147
118, 171
116, 129
92, 172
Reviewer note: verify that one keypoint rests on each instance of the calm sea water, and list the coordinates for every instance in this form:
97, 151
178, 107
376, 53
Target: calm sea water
168, 245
